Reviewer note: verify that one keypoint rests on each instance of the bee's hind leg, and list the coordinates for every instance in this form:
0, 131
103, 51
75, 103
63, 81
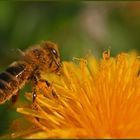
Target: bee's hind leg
14, 98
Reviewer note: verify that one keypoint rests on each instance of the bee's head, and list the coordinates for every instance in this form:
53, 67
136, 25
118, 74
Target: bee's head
45, 56
53, 55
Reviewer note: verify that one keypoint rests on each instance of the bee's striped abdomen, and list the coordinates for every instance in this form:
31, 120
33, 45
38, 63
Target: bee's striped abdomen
5, 76
16, 70
12, 80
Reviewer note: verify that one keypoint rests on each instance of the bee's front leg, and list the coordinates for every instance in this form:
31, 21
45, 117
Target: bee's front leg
47, 89
53, 92
48, 86
36, 79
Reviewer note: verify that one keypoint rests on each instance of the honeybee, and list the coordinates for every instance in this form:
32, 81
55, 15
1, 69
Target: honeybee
43, 57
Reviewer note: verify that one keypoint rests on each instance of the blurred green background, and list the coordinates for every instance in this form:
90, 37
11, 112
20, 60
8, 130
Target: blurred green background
76, 27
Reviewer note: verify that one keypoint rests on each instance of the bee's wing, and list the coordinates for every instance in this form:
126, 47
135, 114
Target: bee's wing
16, 54
12, 54
21, 53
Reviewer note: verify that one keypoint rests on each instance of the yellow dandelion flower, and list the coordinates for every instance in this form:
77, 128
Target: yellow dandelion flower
91, 99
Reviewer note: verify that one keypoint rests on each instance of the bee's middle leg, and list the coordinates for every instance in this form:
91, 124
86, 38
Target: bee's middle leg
34, 82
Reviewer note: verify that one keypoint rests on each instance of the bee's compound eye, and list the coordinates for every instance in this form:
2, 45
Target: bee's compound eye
54, 52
